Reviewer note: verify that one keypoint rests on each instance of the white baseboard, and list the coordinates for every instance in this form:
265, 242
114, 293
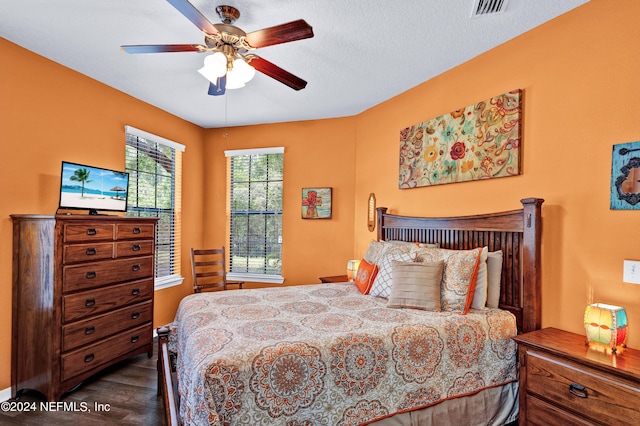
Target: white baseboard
5, 394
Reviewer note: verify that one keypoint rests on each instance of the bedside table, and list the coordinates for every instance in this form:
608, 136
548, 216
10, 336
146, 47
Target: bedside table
335, 279
563, 381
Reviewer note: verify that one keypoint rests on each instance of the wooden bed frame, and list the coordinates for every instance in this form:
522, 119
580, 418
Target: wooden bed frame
517, 233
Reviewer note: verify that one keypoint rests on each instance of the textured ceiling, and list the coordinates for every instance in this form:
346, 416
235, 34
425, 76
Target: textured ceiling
363, 52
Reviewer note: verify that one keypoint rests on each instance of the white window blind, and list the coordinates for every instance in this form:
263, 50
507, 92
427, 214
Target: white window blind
255, 214
155, 190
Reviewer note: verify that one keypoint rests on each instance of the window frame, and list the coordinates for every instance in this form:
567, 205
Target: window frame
247, 276
175, 278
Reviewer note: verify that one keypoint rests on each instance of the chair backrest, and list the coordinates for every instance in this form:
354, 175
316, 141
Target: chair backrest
209, 269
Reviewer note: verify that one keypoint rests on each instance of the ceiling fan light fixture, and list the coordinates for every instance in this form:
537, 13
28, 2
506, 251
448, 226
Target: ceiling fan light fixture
215, 66
231, 43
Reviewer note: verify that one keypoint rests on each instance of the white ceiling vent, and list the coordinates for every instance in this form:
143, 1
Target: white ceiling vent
488, 7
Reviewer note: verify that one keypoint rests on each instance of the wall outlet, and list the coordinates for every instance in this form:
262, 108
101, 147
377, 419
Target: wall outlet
631, 272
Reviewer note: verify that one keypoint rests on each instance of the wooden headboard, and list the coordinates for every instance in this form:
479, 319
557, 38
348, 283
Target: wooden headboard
517, 233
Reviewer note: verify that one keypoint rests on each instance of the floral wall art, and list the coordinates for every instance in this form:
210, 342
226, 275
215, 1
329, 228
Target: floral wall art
481, 141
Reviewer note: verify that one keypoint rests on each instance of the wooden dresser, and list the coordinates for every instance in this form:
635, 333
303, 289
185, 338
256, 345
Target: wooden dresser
82, 297
564, 382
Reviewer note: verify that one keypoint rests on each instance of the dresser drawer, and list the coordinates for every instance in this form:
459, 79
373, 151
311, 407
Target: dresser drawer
80, 305
75, 253
539, 413
92, 356
94, 232
133, 248
95, 328
582, 390
97, 274
126, 231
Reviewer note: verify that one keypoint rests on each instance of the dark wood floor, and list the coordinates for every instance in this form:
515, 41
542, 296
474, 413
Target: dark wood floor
129, 388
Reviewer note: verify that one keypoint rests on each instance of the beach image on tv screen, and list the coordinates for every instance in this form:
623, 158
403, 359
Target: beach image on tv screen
85, 187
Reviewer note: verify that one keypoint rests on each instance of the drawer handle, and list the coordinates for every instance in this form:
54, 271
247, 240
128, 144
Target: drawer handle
134, 339
91, 251
89, 357
89, 302
137, 230
135, 315
89, 330
92, 231
135, 291
91, 275
136, 267
578, 390
136, 247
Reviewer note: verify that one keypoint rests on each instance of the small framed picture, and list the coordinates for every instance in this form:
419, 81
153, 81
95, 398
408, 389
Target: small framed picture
316, 203
625, 176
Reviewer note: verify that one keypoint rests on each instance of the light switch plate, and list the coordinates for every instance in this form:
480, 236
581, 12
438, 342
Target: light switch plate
631, 272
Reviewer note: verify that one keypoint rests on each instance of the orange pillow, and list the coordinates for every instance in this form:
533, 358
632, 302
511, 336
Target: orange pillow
365, 275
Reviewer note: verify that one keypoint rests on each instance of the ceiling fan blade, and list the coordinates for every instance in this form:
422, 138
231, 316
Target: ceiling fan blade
219, 88
291, 31
277, 73
162, 48
194, 15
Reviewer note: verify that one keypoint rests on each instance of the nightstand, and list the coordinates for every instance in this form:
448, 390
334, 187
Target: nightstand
334, 279
564, 381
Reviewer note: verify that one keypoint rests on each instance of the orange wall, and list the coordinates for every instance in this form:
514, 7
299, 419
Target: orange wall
579, 74
317, 154
67, 116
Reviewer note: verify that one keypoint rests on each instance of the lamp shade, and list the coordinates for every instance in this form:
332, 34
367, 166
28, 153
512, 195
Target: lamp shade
352, 269
214, 66
247, 72
240, 74
606, 325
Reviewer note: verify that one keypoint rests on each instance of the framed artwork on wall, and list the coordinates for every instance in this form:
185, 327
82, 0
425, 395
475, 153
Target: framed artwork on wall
625, 176
316, 203
481, 141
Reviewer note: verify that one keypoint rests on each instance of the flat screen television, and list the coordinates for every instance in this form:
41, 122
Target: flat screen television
92, 188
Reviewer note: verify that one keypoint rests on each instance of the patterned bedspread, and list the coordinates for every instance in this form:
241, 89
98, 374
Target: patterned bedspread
327, 355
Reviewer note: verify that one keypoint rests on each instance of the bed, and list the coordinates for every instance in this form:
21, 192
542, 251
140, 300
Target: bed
326, 354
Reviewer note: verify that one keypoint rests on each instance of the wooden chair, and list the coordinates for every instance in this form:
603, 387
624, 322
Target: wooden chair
209, 270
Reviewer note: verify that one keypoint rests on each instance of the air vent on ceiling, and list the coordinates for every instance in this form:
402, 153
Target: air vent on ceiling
488, 7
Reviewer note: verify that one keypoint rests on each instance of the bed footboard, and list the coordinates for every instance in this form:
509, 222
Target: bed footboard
166, 383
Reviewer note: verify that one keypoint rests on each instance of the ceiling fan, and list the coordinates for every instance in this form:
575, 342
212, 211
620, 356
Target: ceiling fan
231, 65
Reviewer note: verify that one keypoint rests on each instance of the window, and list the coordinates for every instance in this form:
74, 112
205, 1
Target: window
255, 214
155, 190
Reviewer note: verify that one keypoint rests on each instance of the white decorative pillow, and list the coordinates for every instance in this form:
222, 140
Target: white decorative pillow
480, 294
382, 282
459, 277
373, 252
494, 278
416, 285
